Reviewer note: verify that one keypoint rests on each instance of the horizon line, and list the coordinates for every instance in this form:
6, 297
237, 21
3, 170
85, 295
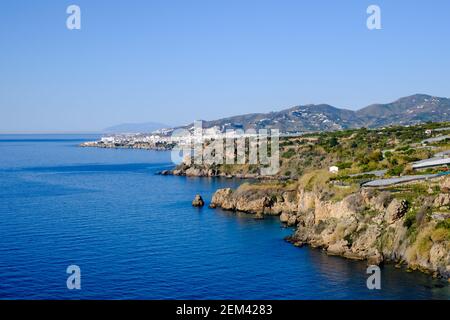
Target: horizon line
50, 132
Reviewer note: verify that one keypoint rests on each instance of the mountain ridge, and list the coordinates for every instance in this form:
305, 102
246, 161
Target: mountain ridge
409, 110
135, 127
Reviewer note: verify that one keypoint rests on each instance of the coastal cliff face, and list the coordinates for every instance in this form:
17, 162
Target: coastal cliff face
243, 172
367, 225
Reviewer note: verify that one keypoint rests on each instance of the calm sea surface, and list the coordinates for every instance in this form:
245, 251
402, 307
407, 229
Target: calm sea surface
135, 235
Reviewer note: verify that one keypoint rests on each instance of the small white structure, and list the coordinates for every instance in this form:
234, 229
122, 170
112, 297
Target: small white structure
107, 139
428, 132
334, 169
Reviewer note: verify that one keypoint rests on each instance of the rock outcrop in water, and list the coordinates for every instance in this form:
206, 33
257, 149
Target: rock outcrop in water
367, 225
198, 201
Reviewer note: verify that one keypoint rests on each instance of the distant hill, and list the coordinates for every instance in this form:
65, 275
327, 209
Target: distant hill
410, 110
300, 118
145, 127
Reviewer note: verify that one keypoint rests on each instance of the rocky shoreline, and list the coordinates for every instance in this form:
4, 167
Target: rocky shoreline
141, 146
369, 224
207, 171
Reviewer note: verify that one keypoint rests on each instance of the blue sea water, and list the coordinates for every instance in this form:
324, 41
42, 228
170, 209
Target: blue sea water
135, 235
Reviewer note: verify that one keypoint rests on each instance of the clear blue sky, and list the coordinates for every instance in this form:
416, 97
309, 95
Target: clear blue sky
177, 61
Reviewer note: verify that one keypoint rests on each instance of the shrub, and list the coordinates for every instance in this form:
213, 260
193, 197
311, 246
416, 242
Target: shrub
410, 219
333, 142
424, 244
376, 155
445, 224
440, 234
288, 154
344, 165
396, 171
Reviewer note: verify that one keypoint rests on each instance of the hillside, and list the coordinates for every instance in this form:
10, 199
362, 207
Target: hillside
409, 110
299, 118
135, 127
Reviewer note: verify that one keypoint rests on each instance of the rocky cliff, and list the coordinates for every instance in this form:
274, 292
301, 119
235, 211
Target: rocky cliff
372, 225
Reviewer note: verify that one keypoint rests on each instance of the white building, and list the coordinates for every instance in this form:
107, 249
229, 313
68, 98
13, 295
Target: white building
107, 139
334, 169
